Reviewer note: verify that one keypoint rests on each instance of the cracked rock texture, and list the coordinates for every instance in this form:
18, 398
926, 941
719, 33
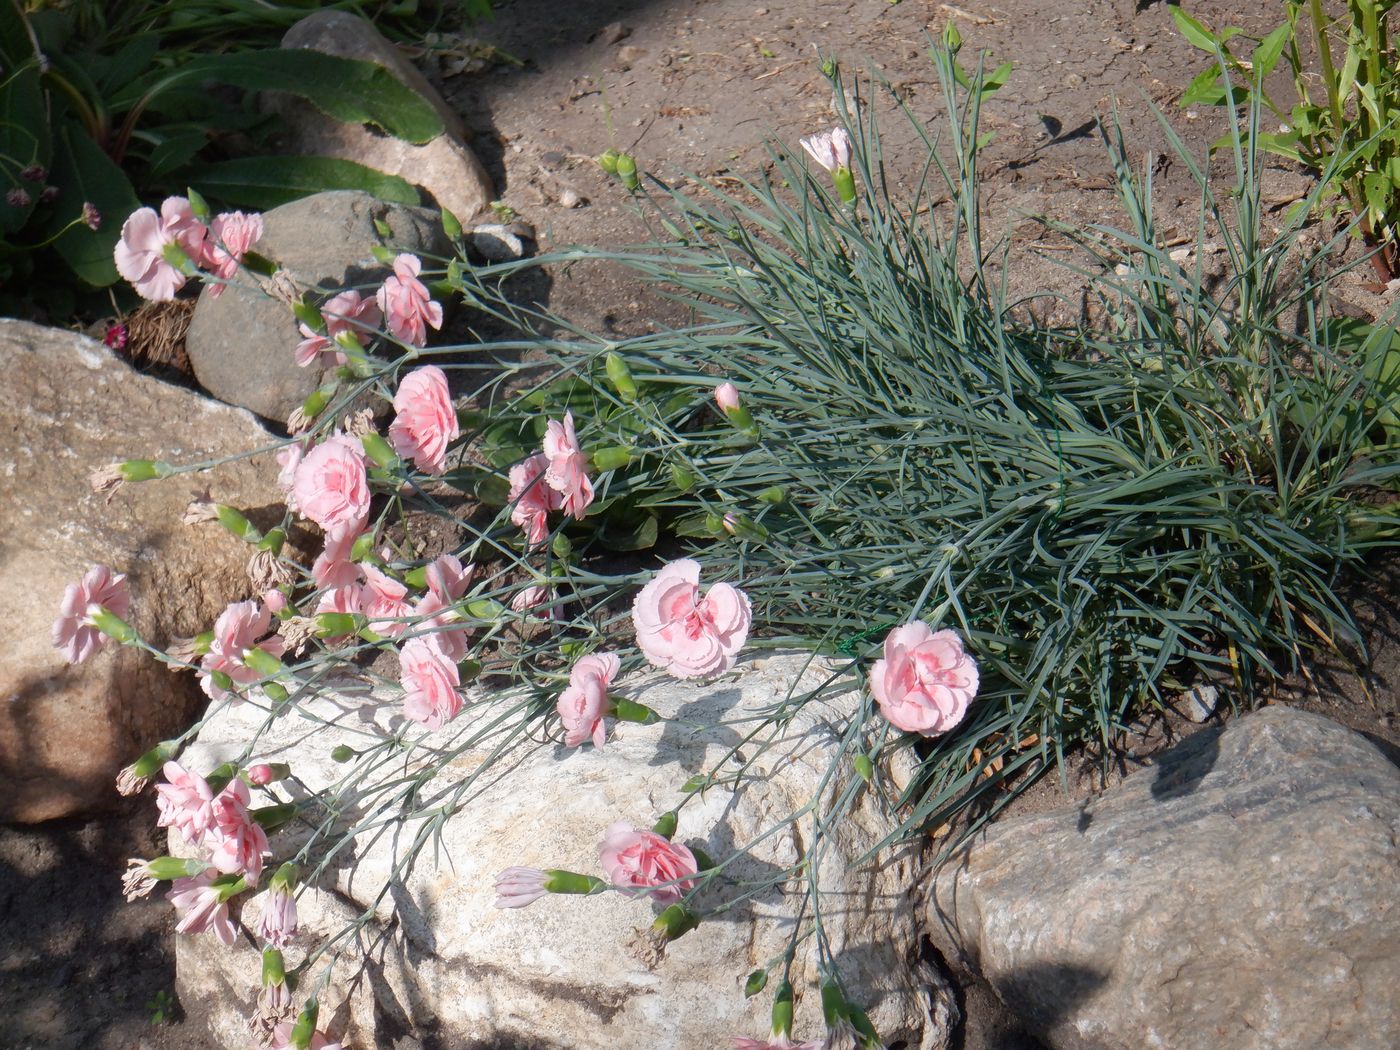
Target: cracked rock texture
452, 970
71, 407
1240, 893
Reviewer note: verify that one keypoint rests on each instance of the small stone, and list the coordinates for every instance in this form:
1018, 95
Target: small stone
324, 240
495, 242
1199, 702
614, 32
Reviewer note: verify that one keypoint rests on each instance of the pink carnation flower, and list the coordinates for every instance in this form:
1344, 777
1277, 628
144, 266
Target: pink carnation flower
346, 600
429, 681
384, 601
533, 499
344, 312
582, 705
406, 303
925, 680
185, 802
643, 860
73, 632
282, 1039
139, 254
567, 473
331, 487
520, 887
689, 635
200, 909
239, 628
238, 842
775, 1042
333, 568
233, 233
447, 582
277, 916
425, 422
831, 149
288, 459
727, 397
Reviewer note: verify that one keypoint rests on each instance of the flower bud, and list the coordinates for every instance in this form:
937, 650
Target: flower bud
608, 161
262, 661
614, 457
232, 519
665, 826
316, 402
275, 692
682, 477
865, 769
621, 377
742, 421
305, 1027
451, 225
342, 753
631, 711
265, 773
199, 207
627, 172
561, 546
773, 495
755, 984
727, 397
782, 1009
112, 625
378, 450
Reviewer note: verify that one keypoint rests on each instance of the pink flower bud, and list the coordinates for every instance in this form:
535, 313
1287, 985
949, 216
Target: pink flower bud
726, 397
275, 601
261, 774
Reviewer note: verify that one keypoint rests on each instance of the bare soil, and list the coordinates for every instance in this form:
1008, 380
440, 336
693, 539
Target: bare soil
698, 86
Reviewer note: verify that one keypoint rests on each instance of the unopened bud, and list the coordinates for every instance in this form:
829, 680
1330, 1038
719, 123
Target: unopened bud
34, 173
199, 207
232, 519
631, 711
305, 1027
782, 1009
614, 457
627, 172
562, 547
607, 160
265, 773
262, 661
773, 495
379, 451
92, 218
342, 753
621, 377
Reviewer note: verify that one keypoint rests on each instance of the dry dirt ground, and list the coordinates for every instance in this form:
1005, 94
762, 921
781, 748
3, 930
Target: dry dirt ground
694, 86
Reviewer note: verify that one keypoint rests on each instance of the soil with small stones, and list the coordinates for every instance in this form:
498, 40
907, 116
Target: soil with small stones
697, 87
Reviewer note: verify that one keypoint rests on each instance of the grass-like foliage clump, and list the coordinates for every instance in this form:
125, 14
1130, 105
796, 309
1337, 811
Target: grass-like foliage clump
1103, 511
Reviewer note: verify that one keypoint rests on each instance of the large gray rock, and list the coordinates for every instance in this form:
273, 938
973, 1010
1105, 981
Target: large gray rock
444, 166
1241, 893
240, 344
69, 408
560, 973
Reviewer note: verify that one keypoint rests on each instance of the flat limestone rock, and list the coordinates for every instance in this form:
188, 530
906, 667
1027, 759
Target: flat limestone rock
71, 407
452, 970
1241, 893
241, 344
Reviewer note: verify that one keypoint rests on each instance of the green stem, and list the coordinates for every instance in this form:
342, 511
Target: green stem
1329, 71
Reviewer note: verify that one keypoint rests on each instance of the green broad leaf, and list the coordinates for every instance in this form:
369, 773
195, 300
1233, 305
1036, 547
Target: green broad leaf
1376, 188
84, 173
1195, 33
1346, 77
1204, 90
266, 182
176, 149
639, 537
1281, 144
24, 139
1266, 54
134, 59
344, 88
996, 78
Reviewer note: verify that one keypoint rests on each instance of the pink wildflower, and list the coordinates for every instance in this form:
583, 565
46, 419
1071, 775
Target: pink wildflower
567, 473
240, 627
425, 422
277, 916
288, 459
331, 487
282, 1039
519, 887
429, 682
533, 499
582, 705
727, 397
689, 635
237, 840
200, 908
261, 774
406, 303
537, 600
775, 1042
831, 149
447, 581
185, 802
233, 234
139, 254
74, 634
925, 680
386, 599
344, 312
644, 861
345, 600
333, 567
